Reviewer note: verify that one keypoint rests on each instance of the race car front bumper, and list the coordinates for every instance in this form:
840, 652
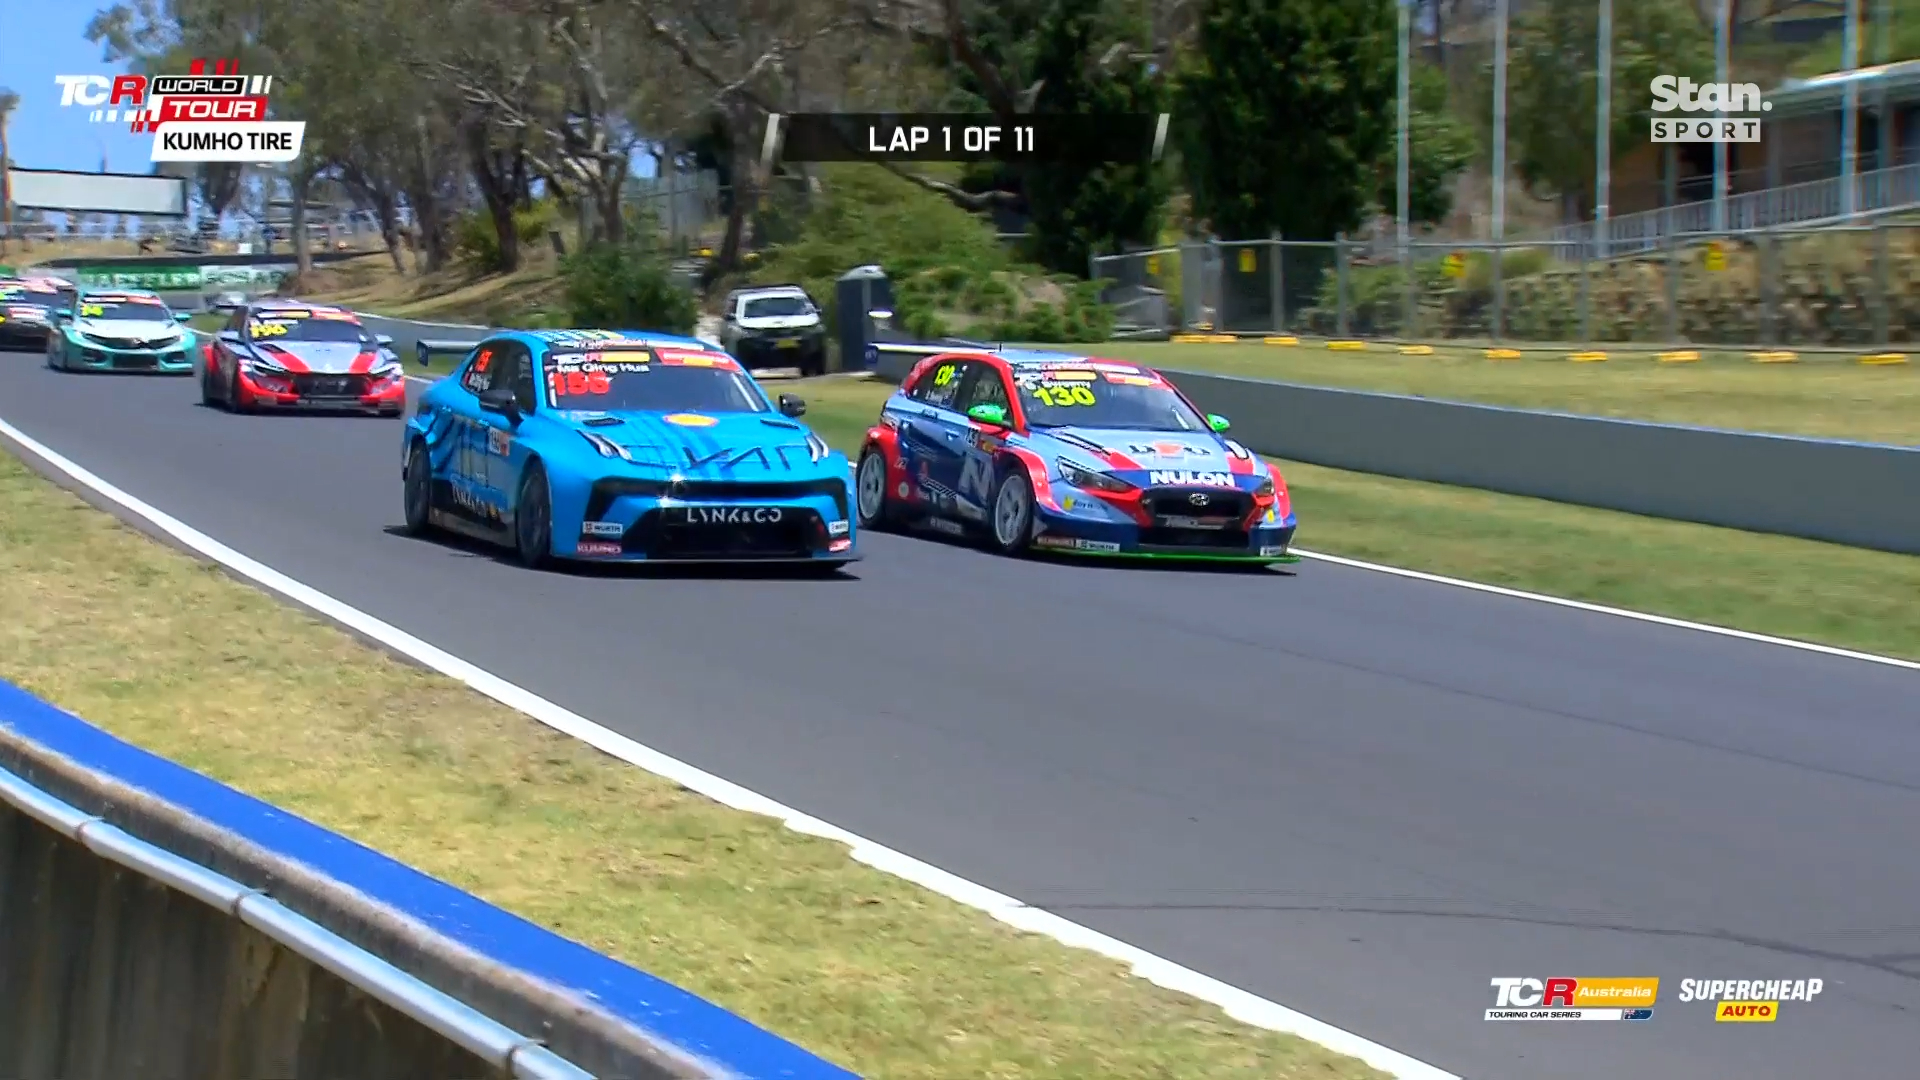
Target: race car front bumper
173, 360
1268, 540
323, 392
797, 522
23, 334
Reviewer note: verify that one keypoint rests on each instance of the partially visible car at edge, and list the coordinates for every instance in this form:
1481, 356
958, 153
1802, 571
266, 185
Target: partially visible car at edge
26, 312
623, 446
774, 326
120, 330
1071, 454
283, 355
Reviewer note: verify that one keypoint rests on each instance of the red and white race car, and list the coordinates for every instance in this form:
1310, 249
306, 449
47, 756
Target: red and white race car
282, 354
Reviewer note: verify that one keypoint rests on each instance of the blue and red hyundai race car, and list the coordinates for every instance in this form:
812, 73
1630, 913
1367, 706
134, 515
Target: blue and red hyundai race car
1070, 454
286, 355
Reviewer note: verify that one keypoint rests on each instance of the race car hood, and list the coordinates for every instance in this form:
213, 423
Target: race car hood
708, 446
1125, 451
148, 330
325, 357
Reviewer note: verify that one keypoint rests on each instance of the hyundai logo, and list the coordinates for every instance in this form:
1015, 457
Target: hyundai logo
1197, 499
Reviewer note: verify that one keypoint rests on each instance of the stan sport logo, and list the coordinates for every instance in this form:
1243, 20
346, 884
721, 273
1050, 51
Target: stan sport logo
1721, 104
1518, 998
200, 116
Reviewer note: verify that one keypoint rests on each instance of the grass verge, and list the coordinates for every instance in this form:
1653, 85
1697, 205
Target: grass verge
1803, 589
1825, 396
862, 968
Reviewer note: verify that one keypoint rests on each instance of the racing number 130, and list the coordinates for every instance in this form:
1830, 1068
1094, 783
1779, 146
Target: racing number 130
1064, 395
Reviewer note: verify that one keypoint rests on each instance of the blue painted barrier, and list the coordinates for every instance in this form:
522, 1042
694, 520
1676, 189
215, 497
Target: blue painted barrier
668, 1014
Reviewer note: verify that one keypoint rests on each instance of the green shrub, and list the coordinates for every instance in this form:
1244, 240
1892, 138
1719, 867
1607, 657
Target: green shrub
950, 273
477, 244
628, 287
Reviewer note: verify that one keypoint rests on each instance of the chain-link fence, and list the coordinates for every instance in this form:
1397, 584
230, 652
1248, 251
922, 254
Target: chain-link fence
1834, 287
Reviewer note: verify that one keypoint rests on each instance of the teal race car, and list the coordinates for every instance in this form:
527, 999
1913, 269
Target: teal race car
120, 330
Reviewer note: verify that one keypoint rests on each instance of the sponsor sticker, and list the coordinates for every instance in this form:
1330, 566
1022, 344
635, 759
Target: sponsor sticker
694, 420
837, 528
499, 443
1269, 552
611, 529
1187, 477
596, 547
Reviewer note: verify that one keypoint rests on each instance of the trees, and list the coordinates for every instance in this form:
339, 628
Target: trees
1553, 83
1283, 111
1077, 210
1440, 147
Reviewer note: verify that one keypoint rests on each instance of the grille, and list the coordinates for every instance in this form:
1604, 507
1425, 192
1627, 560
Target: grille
1162, 537
798, 537
603, 493
115, 342
136, 361
1174, 502
324, 386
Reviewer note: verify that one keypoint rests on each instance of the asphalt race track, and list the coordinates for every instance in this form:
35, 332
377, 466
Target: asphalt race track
1358, 795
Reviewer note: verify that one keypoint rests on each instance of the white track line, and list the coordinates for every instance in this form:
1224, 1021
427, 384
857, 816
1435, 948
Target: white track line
1239, 1004
1602, 609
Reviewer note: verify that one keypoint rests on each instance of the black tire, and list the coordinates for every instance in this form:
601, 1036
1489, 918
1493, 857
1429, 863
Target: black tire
875, 509
533, 519
51, 366
1011, 537
416, 489
814, 366
206, 384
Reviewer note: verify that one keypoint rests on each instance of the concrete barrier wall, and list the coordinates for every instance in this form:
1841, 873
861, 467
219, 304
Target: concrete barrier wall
1858, 494
598, 1014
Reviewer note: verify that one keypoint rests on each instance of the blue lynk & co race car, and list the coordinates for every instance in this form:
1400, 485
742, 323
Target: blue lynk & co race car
1070, 454
623, 446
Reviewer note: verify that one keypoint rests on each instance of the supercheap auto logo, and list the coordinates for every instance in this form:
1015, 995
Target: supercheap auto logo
217, 115
1749, 1001
1566, 998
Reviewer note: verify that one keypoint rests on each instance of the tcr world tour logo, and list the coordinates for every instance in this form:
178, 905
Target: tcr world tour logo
217, 115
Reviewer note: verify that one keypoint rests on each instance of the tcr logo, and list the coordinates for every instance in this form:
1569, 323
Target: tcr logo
1535, 994
92, 91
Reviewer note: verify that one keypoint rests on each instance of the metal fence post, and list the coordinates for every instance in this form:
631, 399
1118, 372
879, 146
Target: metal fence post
1277, 302
1215, 282
1410, 297
1673, 288
1769, 289
1499, 289
1340, 278
1882, 293
1586, 302
1279, 280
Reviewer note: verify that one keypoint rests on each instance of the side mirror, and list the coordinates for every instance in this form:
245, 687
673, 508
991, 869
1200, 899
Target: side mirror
182, 316
63, 313
231, 337
385, 341
1217, 422
995, 415
792, 405
500, 400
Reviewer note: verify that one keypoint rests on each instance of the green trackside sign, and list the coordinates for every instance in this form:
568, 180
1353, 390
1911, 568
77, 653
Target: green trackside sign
182, 278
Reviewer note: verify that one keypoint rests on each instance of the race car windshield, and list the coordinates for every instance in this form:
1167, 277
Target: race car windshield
1103, 400
635, 381
128, 310
274, 328
23, 298
777, 307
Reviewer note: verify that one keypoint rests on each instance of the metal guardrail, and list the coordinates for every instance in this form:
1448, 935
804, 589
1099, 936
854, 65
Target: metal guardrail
514, 1054
1846, 493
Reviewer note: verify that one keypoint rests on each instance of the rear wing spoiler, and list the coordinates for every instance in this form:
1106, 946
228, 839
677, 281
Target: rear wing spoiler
893, 361
426, 349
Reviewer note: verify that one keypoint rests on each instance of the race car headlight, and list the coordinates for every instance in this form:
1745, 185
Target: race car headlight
817, 446
258, 365
1092, 479
606, 447
388, 371
1266, 486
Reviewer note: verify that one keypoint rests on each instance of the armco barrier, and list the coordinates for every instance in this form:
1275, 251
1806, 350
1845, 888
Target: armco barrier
162, 924
1858, 494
